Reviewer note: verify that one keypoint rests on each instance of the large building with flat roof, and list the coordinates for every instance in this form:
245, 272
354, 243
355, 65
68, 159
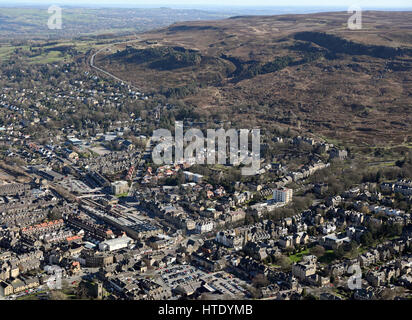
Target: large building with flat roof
120, 187
115, 244
283, 195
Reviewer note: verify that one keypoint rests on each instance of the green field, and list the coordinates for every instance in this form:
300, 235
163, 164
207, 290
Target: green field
49, 57
297, 257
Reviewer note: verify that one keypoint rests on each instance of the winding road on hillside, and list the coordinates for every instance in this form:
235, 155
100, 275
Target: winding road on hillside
92, 64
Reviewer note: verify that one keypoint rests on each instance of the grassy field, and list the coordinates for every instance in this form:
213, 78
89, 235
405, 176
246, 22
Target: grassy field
49, 57
297, 257
122, 195
51, 52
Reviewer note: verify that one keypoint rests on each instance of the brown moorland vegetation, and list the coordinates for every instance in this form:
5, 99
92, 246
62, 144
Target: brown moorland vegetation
307, 72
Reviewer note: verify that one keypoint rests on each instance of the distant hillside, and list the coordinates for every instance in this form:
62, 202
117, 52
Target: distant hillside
28, 23
307, 72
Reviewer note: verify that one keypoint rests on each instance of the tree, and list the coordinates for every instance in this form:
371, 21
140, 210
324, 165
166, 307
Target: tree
249, 219
180, 178
260, 281
254, 292
365, 210
284, 262
339, 252
393, 229
54, 214
317, 251
268, 260
367, 239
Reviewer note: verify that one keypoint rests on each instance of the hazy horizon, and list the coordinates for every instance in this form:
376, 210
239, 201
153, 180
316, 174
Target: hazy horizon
202, 4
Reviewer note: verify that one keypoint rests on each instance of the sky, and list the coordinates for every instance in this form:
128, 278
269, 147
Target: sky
227, 3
